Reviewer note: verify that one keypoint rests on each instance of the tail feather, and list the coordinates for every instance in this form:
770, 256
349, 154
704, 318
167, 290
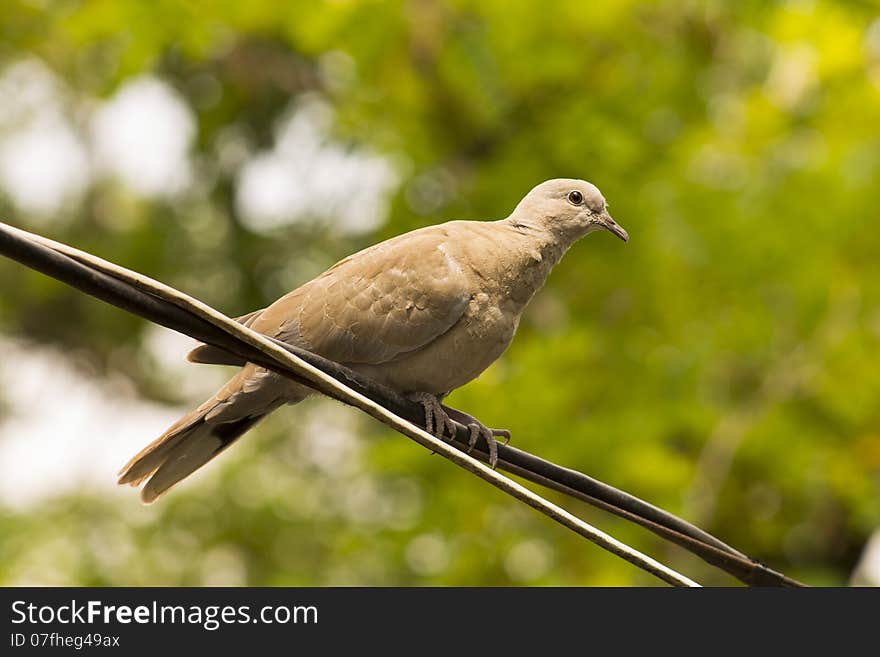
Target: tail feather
177, 455
202, 444
145, 462
201, 435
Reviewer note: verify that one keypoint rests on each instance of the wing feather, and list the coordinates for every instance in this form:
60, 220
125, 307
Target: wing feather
376, 305
371, 307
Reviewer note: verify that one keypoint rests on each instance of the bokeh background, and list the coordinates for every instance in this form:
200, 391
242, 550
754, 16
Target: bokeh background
723, 364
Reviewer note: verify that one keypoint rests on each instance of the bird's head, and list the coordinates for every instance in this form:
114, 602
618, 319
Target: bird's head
567, 208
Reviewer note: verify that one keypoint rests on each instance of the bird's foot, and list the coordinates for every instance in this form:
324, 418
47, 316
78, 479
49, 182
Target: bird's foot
437, 421
478, 429
440, 422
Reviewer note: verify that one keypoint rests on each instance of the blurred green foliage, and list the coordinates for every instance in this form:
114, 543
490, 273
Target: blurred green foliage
723, 364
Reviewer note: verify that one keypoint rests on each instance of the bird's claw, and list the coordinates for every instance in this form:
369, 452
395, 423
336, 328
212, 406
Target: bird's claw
437, 421
501, 433
440, 421
476, 430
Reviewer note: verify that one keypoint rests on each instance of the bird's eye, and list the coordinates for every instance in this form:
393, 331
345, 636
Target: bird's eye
575, 197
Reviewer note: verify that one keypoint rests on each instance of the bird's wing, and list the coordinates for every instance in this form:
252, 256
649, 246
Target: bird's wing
211, 355
250, 318
377, 304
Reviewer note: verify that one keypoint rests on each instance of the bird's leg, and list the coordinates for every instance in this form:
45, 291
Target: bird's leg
440, 421
437, 422
477, 429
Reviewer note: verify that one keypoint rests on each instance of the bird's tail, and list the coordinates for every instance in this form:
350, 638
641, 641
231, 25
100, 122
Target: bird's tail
199, 436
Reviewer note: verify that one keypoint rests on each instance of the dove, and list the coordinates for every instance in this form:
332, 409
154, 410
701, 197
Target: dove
424, 313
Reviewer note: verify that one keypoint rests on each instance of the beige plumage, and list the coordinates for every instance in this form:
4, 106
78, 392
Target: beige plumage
423, 313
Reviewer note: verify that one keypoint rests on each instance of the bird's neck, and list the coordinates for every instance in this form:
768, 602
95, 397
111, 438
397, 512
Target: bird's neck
536, 251
535, 238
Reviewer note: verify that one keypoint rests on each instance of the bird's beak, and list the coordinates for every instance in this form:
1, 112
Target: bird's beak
606, 222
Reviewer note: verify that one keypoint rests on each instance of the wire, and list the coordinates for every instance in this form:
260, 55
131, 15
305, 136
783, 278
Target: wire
169, 307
